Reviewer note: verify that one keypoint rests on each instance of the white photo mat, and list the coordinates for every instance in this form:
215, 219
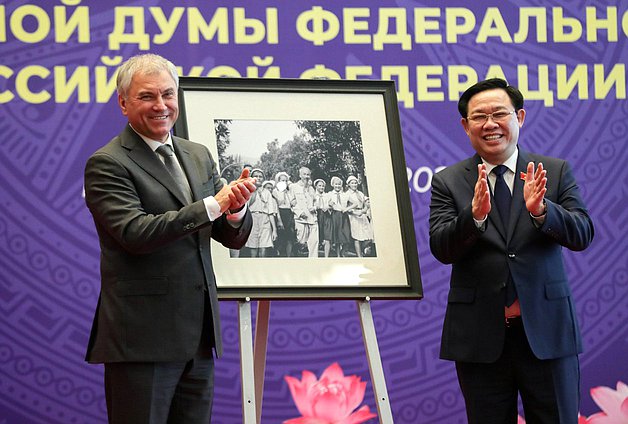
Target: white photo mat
389, 268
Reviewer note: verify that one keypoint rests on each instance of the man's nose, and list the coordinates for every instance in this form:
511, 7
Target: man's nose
490, 122
159, 103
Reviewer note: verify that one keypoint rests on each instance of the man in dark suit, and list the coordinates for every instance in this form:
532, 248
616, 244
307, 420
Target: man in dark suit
510, 323
157, 318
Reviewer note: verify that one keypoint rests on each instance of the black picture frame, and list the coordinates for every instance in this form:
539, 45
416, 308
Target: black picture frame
394, 272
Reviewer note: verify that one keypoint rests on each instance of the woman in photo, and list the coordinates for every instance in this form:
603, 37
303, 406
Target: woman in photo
323, 215
357, 208
286, 235
340, 227
263, 209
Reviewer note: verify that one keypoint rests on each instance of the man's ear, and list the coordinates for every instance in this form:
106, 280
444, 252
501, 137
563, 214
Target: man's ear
465, 125
122, 104
521, 116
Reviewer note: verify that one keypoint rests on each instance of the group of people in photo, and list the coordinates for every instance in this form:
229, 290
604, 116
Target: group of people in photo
308, 218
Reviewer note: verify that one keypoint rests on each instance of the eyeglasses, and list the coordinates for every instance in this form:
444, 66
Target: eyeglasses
481, 118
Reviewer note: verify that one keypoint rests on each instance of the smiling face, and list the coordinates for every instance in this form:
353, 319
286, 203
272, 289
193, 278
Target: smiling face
494, 141
305, 174
259, 177
151, 104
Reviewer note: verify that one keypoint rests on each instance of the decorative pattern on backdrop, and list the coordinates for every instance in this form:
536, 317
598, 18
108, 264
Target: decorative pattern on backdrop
49, 277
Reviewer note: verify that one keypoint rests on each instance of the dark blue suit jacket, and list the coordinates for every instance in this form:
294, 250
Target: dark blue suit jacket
474, 329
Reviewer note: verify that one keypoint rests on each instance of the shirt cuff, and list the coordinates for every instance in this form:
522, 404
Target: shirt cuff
212, 207
481, 224
538, 220
235, 219
213, 212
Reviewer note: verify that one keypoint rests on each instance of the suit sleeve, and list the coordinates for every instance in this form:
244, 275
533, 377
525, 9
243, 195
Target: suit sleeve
567, 220
229, 236
111, 194
452, 229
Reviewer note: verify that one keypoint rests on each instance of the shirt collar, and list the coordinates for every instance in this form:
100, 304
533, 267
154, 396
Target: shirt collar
510, 163
154, 144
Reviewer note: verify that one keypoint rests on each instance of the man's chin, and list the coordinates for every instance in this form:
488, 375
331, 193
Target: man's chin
160, 135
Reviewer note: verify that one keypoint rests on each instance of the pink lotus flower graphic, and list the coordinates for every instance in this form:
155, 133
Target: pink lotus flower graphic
330, 400
614, 404
581, 420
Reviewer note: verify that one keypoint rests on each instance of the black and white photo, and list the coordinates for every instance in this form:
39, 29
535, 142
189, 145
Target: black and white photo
313, 197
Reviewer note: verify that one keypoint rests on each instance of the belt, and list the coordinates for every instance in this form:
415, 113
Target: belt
513, 321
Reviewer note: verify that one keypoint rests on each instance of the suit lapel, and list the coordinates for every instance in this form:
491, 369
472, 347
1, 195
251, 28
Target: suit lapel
144, 157
472, 171
190, 167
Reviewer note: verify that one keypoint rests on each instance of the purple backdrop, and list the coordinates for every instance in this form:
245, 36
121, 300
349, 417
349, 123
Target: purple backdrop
49, 252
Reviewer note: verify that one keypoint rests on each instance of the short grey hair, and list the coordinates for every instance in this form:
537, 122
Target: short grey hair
147, 64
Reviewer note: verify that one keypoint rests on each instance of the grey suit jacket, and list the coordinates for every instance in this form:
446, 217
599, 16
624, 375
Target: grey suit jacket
473, 330
156, 266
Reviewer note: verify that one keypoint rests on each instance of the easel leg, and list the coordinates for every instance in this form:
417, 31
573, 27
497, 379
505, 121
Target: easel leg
246, 362
259, 352
375, 362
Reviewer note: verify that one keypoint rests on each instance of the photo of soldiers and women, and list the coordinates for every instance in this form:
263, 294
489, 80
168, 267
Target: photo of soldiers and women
312, 197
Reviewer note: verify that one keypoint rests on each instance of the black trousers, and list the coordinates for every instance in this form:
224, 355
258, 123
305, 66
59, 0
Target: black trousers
163, 392
549, 389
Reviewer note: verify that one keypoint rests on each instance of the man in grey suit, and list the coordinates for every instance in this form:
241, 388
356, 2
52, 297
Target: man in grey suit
157, 318
501, 218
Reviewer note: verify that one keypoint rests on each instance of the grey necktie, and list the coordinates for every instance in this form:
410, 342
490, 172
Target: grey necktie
175, 170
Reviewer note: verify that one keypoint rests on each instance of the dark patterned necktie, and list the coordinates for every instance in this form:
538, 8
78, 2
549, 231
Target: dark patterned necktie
501, 194
175, 170
503, 200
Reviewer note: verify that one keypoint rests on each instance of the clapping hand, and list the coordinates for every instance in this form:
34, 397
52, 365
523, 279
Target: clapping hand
234, 195
535, 188
481, 203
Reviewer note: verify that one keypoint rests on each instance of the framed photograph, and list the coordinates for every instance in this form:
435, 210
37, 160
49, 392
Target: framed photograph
331, 214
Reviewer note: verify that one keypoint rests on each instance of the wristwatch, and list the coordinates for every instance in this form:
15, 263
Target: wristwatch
542, 213
229, 211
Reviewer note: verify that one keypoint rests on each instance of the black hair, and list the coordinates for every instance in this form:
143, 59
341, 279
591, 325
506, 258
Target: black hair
490, 84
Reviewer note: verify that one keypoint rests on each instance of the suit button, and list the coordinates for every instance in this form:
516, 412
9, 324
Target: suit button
511, 255
199, 287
